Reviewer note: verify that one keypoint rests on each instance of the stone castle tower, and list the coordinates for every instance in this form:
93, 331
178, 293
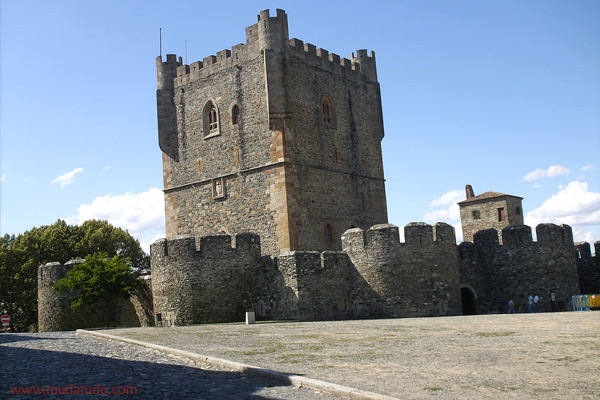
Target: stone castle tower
489, 210
274, 137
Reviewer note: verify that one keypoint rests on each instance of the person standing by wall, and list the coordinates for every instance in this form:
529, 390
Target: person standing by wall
511, 307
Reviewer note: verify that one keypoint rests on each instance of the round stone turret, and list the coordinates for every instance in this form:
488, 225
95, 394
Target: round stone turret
54, 309
272, 31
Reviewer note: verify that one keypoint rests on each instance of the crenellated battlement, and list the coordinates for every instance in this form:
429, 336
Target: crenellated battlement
588, 267
199, 279
314, 261
207, 246
269, 33
357, 67
520, 236
519, 266
584, 251
416, 234
417, 277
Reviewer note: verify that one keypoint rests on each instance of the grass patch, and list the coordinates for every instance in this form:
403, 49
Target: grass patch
433, 388
297, 358
566, 358
494, 334
544, 390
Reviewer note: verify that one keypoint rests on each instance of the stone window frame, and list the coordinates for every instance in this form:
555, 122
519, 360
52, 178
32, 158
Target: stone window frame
211, 127
219, 190
327, 111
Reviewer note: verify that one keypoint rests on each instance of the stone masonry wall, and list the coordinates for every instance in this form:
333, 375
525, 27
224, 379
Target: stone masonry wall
279, 164
488, 215
55, 313
206, 280
588, 267
417, 278
238, 158
328, 287
338, 166
521, 267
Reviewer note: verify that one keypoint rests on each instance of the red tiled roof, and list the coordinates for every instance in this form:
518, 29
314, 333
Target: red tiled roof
487, 195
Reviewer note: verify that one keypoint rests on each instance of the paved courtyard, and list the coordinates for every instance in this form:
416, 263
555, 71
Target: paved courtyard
523, 356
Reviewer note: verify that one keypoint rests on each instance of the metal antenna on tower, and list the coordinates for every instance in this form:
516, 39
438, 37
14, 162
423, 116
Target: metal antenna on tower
186, 63
160, 41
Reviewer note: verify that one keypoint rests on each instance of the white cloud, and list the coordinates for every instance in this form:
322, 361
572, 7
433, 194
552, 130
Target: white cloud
451, 213
551, 171
142, 214
68, 178
3, 178
573, 205
588, 167
581, 235
449, 197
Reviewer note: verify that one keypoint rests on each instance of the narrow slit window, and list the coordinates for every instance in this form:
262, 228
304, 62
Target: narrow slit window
235, 114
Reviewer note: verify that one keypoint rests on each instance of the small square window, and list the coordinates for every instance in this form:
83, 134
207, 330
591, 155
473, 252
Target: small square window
501, 214
475, 214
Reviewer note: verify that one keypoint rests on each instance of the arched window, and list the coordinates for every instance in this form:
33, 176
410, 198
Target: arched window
210, 117
235, 114
327, 111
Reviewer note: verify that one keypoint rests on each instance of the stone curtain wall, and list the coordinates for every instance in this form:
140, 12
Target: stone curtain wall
55, 313
520, 267
206, 280
417, 278
588, 267
328, 286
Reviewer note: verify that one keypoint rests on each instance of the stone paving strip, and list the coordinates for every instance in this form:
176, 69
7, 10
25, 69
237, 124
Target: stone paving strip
69, 366
295, 380
532, 356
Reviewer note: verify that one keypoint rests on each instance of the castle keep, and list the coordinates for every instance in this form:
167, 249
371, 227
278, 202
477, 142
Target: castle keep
275, 137
275, 203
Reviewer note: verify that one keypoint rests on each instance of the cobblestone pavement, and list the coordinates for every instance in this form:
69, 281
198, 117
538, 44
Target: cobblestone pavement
66, 360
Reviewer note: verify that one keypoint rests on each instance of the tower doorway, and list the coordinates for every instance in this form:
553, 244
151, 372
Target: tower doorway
468, 301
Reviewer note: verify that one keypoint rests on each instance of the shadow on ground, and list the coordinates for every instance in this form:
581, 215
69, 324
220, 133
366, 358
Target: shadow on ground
26, 368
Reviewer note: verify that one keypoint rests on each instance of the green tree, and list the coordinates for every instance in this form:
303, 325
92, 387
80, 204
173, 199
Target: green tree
99, 281
21, 255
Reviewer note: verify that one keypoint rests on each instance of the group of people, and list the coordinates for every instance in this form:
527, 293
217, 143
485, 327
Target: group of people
534, 305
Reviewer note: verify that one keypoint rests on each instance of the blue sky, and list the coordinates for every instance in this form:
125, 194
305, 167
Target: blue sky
502, 95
